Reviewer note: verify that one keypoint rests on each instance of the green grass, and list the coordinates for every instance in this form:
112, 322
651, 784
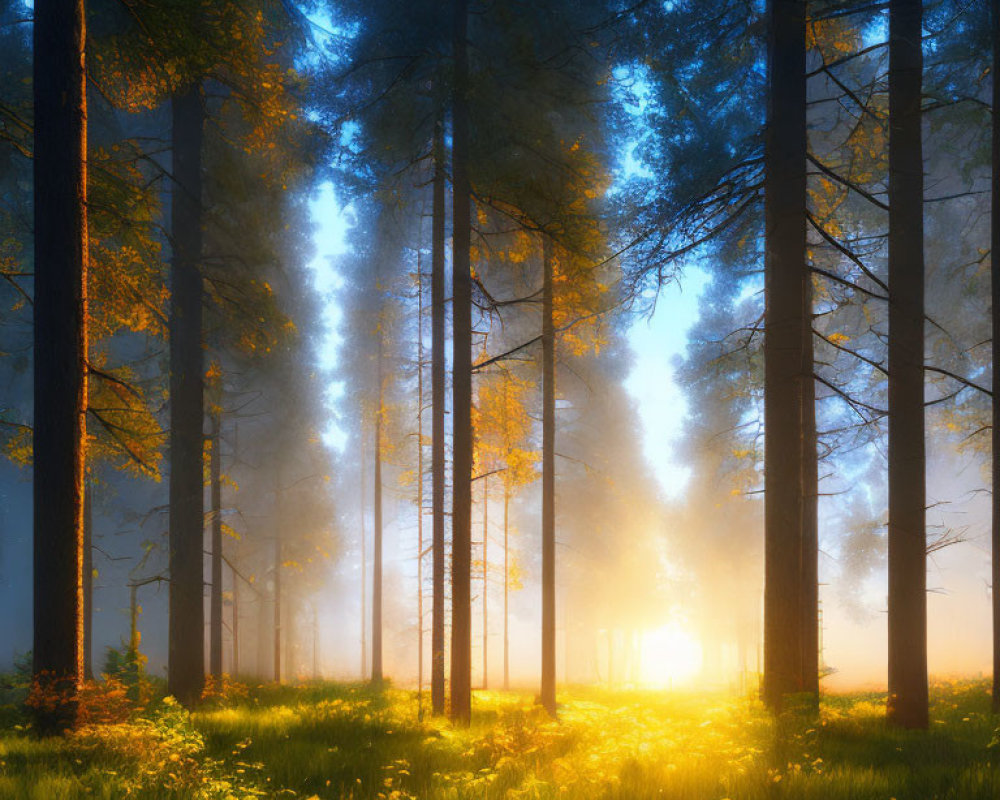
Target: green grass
350, 741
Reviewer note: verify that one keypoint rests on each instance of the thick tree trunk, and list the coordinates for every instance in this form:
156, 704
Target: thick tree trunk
462, 437
810, 507
60, 350
785, 273
907, 488
377, 535
186, 660
995, 277
215, 607
548, 691
506, 589
88, 583
437, 426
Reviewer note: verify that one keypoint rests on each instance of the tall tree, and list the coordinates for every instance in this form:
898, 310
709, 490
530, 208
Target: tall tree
907, 483
548, 689
995, 292
377, 528
60, 350
215, 519
437, 422
462, 436
88, 581
187, 612
810, 505
785, 276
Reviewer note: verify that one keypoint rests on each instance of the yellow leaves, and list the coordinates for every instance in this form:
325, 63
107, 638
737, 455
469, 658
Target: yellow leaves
18, 446
503, 427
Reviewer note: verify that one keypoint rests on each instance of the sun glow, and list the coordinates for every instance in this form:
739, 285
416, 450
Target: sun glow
670, 657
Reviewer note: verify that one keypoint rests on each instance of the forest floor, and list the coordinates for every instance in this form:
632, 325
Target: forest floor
350, 741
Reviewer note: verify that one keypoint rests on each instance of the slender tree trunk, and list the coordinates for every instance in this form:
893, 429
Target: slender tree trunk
548, 693
364, 567
420, 486
810, 507
907, 488
215, 608
486, 586
133, 620
506, 589
236, 624
377, 543
60, 350
276, 625
785, 273
995, 277
186, 660
437, 426
88, 582
261, 636
462, 437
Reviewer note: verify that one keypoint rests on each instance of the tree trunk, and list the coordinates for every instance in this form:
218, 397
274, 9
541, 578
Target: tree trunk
785, 273
548, 693
236, 625
377, 535
215, 607
995, 277
60, 350
186, 660
437, 426
276, 623
486, 586
810, 507
506, 590
88, 582
907, 488
462, 437
420, 486
364, 567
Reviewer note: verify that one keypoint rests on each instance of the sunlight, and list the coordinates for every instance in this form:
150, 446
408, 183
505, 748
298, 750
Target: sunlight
670, 657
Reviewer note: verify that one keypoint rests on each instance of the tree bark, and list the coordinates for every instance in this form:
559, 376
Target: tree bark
437, 425
364, 567
810, 507
486, 585
215, 607
785, 273
236, 624
548, 689
462, 436
88, 582
377, 535
506, 589
907, 704
420, 486
276, 623
995, 291
186, 659
60, 350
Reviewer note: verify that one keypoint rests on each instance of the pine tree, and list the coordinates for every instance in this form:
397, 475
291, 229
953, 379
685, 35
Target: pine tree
60, 352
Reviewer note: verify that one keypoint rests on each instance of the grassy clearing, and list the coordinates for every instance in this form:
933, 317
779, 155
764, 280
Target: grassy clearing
349, 741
